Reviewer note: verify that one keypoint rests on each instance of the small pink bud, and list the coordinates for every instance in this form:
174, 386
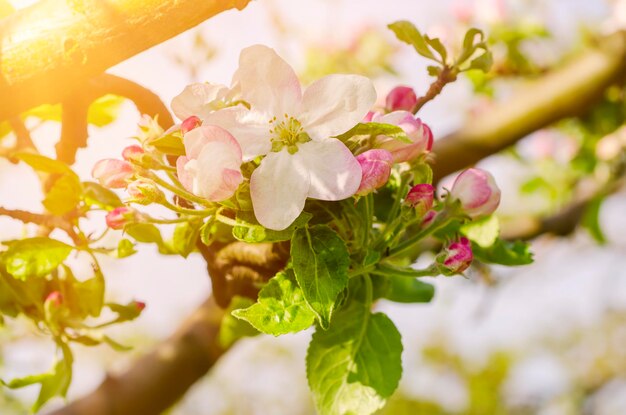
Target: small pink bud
133, 153
55, 298
140, 305
368, 117
376, 168
428, 218
119, 217
419, 133
144, 191
420, 197
401, 98
189, 124
112, 173
458, 258
477, 191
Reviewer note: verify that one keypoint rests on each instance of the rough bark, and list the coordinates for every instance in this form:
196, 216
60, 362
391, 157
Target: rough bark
46, 50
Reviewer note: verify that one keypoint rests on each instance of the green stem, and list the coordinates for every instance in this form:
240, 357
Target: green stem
440, 221
369, 213
185, 211
389, 270
179, 191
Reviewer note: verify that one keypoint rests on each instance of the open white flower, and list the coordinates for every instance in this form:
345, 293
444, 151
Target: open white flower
295, 131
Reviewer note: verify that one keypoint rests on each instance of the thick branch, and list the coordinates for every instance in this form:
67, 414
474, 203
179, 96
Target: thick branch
46, 50
159, 379
568, 91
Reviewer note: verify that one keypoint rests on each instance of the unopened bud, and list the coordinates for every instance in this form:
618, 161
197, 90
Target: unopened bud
189, 124
376, 168
458, 257
112, 173
420, 197
55, 299
120, 217
144, 191
140, 305
401, 98
133, 153
477, 192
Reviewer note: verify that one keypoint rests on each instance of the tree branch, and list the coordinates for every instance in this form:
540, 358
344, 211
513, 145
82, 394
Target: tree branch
568, 91
53, 46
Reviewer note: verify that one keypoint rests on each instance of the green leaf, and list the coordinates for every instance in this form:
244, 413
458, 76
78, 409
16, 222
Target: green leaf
408, 33
233, 328
125, 312
591, 220
484, 231
248, 230
436, 44
34, 257
58, 383
374, 129
125, 248
90, 294
482, 62
354, 366
281, 307
54, 383
144, 232
185, 237
97, 195
64, 195
44, 164
170, 144
504, 253
104, 110
407, 290
320, 260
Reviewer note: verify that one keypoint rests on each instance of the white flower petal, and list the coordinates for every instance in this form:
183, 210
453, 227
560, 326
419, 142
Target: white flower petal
278, 188
250, 129
267, 82
196, 139
334, 104
196, 99
334, 172
216, 177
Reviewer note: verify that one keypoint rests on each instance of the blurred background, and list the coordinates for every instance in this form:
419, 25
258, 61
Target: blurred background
548, 338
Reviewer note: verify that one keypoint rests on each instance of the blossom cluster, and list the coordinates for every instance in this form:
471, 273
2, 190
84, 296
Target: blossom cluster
283, 144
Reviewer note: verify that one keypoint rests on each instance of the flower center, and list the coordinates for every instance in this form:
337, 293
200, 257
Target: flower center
287, 132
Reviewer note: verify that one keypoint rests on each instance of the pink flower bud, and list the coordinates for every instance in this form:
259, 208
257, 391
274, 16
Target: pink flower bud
401, 98
112, 173
369, 116
144, 191
133, 153
419, 133
458, 257
55, 298
140, 305
421, 198
119, 217
376, 168
211, 167
429, 217
477, 191
189, 124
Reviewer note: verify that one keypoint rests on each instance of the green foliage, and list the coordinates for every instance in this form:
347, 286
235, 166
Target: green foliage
320, 261
248, 230
483, 232
64, 195
185, 237
34, 257
403, 289
171, 144
281, 307
591, 220
233, 328
374, 129
355, 365
504, 253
